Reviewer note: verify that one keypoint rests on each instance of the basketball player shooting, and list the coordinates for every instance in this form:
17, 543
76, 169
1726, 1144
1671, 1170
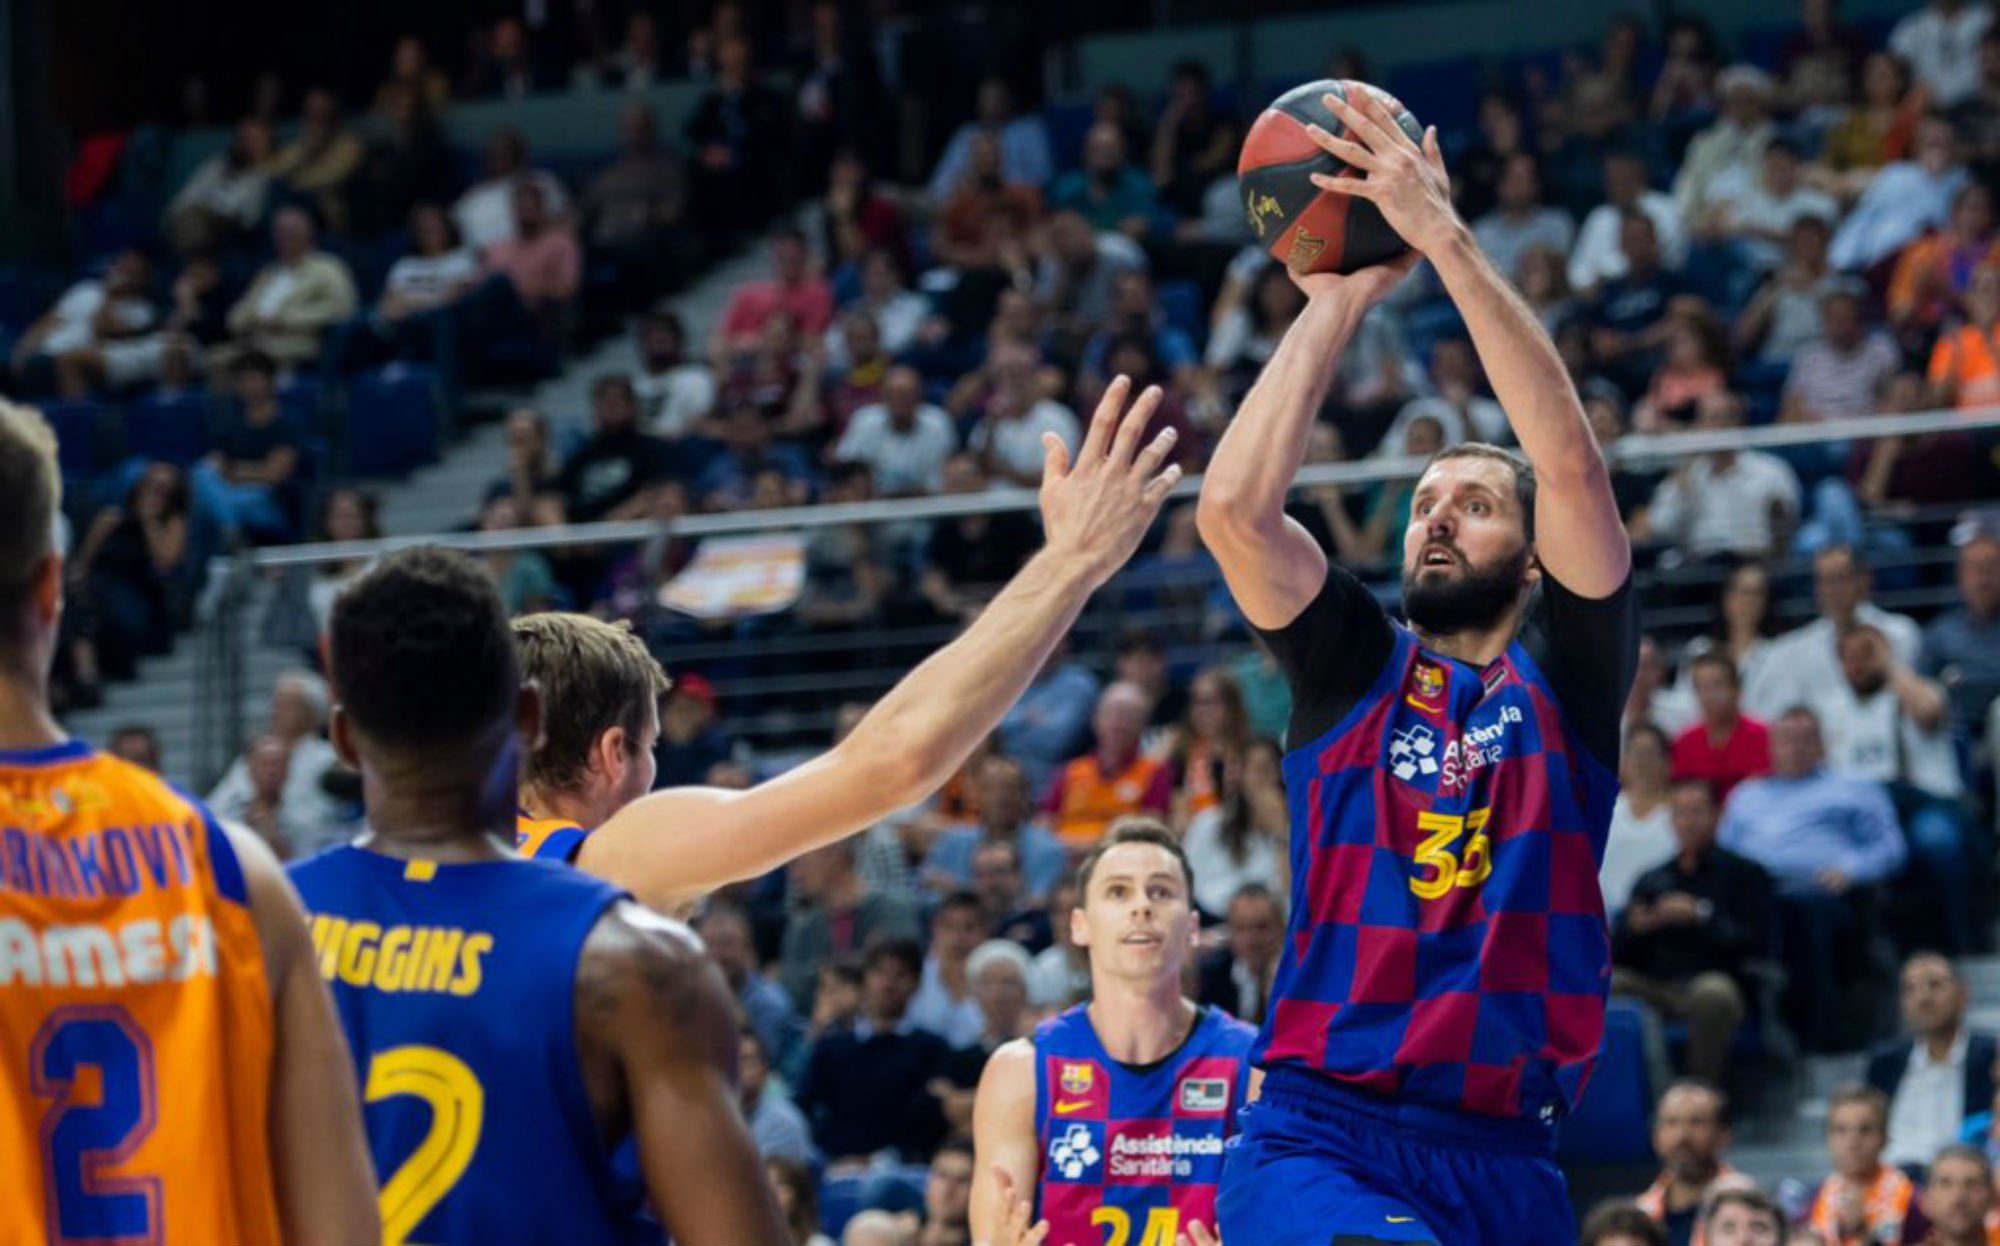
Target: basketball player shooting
1440, 1001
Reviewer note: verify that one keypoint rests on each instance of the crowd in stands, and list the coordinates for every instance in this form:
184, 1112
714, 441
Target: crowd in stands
1801, 232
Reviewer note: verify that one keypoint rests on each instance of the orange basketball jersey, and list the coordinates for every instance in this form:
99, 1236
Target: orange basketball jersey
135, 1017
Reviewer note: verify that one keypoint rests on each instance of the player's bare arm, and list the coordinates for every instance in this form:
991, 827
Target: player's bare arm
1273, 565
1007, 1160
686, 840
657, 1031
1580, 540
324, 1178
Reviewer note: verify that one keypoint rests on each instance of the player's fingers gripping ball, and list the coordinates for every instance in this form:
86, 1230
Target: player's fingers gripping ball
1305, 228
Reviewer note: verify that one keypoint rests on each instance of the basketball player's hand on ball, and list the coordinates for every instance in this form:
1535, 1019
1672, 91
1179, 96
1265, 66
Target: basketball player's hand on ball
1015, 1210
1096, 508
1406, 182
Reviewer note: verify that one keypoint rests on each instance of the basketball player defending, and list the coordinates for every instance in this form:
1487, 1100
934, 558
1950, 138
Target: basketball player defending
673, 845
170, 1066
1440, 1000
1110, 1121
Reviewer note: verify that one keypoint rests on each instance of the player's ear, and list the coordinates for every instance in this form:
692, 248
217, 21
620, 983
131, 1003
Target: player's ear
528, 716
613, 753
340, 731
48, 594
1079, 929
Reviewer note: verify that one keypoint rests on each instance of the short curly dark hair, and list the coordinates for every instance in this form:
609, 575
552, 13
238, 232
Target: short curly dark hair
421, 654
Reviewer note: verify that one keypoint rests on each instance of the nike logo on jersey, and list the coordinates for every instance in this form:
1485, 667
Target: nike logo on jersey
1065, 1106
1400, 1219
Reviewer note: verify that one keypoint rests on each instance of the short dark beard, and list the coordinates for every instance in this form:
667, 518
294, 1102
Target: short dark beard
1474, 602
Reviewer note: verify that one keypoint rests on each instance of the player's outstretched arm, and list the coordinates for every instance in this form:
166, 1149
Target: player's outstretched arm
646, 995
319, 1148
1578, 536
1006, 1162
673, 843
1273, 565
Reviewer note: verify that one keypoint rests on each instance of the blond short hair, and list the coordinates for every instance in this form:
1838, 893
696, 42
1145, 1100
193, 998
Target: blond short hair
30, 497
593, 676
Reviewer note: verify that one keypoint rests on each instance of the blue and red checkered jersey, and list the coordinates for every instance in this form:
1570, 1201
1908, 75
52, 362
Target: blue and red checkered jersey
1447, 943
1130, 1152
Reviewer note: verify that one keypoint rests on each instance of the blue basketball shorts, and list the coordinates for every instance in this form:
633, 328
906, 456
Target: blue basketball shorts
1316, 1164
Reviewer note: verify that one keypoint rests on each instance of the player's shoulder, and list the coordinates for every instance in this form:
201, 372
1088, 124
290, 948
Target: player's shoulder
1230, 1031
637, 966
1009, 1071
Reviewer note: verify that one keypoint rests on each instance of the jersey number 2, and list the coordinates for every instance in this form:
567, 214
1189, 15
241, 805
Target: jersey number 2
458, 1110
1442, 870
95, 1066
1162, 1223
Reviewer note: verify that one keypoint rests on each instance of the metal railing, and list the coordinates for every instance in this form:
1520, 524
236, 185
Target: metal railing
224, 627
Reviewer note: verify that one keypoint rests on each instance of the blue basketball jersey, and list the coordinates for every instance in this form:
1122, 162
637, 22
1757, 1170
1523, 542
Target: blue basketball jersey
456, 987
1129, 1154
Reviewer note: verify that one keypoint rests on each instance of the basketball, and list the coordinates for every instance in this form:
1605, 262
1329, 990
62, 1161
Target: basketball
1305, 228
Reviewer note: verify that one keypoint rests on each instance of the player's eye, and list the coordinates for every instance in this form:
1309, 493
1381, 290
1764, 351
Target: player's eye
1477, 508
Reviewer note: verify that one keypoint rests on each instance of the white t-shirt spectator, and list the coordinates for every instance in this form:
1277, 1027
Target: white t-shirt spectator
426, 280
1943, 52
1749, 207
1711, 510
1633, 846
76, 314
671, 401
904, 460
898, 318
1218, 876
485, 214
1058, 980
1805, 661
1600, 256
957, 1021
1505, 239
1017, 444
1872, 738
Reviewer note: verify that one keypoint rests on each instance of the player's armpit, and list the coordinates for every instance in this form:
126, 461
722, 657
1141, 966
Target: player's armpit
1003, 1138
324, 1177
647, 996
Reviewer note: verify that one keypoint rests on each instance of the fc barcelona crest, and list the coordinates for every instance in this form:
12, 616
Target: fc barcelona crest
1427, 683
1077, 1079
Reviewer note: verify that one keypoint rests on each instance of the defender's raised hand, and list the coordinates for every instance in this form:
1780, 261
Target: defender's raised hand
1096, 508
1407, 182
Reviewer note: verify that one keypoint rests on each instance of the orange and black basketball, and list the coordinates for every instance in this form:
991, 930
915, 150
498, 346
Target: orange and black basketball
1302, 226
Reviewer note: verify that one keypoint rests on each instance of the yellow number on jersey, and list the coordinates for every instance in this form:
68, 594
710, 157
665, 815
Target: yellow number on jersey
458, 1110
1441, 871
1163, 1224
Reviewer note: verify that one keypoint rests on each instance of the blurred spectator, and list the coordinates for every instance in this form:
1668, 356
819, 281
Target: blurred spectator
1024, 143
1641, 834
674, 392
1005, 815
848, 570
984, 209
1903, 200
1933, 273
1654, 697
1631, 313
297, 720
632, 212
841, 96
969, 557
999, 970
690, 742
1141, 660
1961, 647
137, 744
859, 218
318, 164
248, 483
1193, 144
903, 440
1784, 317
223, 200
1600, 253
1864, 1200
261, 804
1694, 366
1819, 835
1685, 942
947, 1202
411, 73
1978, 118
874, 1227
778, 375
636, 64
1889, 475
1062, 970
542, 265
1691, 1135
505, 68
1243, 839
92, 334
486, 212
1686, 83
197, 321
943, 1003
1964, 368
1476, 172
525, 577
1741, 631
1740, 1214
1742, 502
530, 472
129, 580
1519, 219
1941, 44
1079, 270
1108, 191
1941, 1073
797, 1194
833, 917
1248, 321
1760, 209
1958, 1198
898, 312
729, 480
1112, 780
767, 1011
1207, 741
1048, 722
865, 1087
1725, 747
608, 476
1839, 376
1806, 661
1016, 415
1880, 131
436, 274
1822, 36
345, 514
776, 1125
1237, 977
295, 298
406, 164
1011, 913
738, 135
1729, 155
793, 290
1622, 1224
